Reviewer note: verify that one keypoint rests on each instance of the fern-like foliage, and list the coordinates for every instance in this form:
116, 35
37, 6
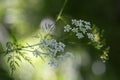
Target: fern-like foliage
15, 56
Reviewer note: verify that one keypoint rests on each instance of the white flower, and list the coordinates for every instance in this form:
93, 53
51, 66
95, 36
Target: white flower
53, 43
90, 36
77, 22
83, 30
52, 46
60, 49
47, 25
87, 27
53, 62
87, 23
50, 50
36, 52
80, 22
67, 28
74, 21
75, 30
79, 35
61, 44
44, 43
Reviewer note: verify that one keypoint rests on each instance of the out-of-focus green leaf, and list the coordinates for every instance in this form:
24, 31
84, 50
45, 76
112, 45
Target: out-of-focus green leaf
18, 57
1, 48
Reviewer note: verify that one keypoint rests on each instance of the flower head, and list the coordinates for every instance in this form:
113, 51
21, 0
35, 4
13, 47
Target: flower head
52, 46
75, 30
47, 26
67, 28
36, 52
90, 36
79, 35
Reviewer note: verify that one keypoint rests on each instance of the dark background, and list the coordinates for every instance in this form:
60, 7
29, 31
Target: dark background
106, 15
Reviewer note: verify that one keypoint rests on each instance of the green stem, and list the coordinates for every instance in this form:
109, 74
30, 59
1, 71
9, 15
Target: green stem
61, 11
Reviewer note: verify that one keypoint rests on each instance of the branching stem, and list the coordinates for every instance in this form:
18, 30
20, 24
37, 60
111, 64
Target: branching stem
20, 48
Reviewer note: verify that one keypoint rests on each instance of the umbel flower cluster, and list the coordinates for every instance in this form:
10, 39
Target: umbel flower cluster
80, 28
52, 49
84, 29
52, 46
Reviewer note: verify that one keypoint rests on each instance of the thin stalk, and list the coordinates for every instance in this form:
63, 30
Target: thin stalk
61, 11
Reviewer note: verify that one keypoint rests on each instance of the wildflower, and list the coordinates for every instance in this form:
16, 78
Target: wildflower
44, 43
83, 30
90, 36
75, 30
87, 27
87, 23
61, 44
36, 52
80, 22
79, 35
53, 43
67, 28
47, 25
60, 47
77, 22
52, 46
74, 21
